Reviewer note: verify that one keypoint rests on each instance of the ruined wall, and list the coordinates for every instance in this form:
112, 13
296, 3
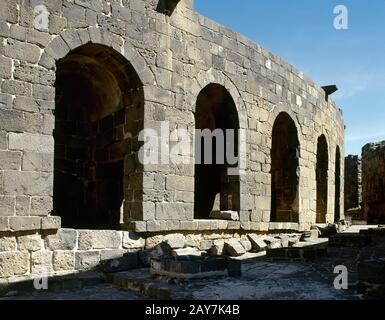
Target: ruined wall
175, 54
373, 181
353, 183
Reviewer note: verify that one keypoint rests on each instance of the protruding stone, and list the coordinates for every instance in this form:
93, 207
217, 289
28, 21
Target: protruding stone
257, 243
160, 250
186, 252
234, 248
64, 239
176, 241
225, 215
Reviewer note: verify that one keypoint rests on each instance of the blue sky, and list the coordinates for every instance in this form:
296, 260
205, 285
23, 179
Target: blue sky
302, 33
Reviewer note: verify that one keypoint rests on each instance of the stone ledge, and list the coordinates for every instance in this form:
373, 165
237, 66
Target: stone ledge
29, 223
283, 226
155, 226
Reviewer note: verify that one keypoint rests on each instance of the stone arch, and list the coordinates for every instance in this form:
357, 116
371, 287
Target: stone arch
70, 39
215, 189
285, 153
98, 115
322, 167
337, 181
205, 78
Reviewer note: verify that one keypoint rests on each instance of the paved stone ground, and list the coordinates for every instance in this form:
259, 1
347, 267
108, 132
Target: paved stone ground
261, 279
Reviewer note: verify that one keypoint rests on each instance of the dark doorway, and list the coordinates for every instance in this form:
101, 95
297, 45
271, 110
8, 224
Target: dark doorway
214, 188
98, 94
337, 197
284, 170
322, 179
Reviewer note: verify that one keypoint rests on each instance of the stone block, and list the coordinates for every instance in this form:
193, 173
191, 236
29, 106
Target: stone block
24, 223
50, 223
246, 244
41, 262
5, 68
16, 88
31, 142
22, 51
225, 215
41, 206
132, 240
7, 206
257, 243
86, 260
64, 239
85, 238
13, 263
176, 240
28, 183
186, 252
32, 242
63, 260
10, 160
4, 224
234, 248
205, 245
104, 239
7, 244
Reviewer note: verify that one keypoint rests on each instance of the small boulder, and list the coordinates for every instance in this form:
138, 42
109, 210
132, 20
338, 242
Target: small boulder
186, 252
257, 243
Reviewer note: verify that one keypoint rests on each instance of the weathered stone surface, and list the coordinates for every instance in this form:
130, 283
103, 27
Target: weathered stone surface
64, 239
41, 262
225, 215
30, 242
186, 252
160, 250
257, 243
24, 223
85, 239
63, 260
176, 240
22, 51
50, 223
106, 239
234, 248
86, 260
7, 244
205, 245
13, 263
7, 206
246, 244
132, 240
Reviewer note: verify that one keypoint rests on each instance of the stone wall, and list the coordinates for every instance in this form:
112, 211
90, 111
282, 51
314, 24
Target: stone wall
173, 55
373, 181
353, 182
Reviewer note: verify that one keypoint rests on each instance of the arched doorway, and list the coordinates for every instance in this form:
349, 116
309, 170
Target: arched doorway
284, 170
99, 109
215, 114
337, 196
322, 179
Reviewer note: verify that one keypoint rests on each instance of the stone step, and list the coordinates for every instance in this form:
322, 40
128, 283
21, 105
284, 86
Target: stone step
143, 283
296, 253
55, 282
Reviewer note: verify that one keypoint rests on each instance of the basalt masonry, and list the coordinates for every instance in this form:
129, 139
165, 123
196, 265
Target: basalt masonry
373, 181
81, 80
353, 182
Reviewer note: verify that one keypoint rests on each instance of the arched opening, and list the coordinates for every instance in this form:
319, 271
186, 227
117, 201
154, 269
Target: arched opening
215, 189
337, 196
322, 179
99, 109
285, 154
